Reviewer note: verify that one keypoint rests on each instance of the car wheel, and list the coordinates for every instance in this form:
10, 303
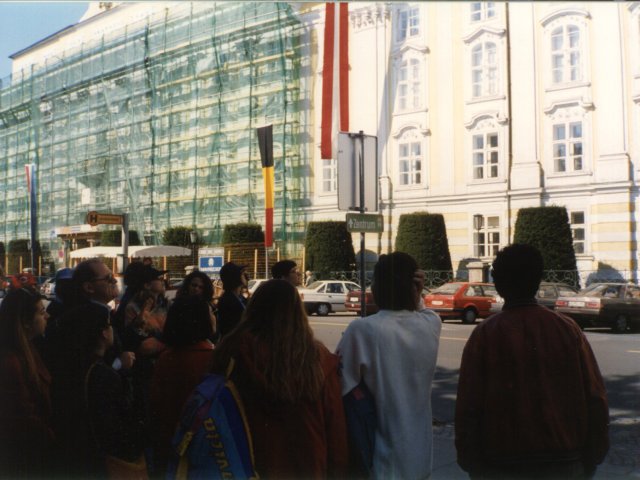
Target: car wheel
323, 309
620, 324
469, 316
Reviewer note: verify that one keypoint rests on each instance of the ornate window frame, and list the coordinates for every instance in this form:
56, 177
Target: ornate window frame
480, 38
567, 112
483, 124
564, 18
411, 134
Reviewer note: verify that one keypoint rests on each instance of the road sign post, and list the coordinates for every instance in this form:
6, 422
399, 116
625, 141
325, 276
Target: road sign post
96, 218
358, 189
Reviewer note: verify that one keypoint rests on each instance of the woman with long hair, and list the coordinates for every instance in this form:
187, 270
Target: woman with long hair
179, 369
196, 283
26, 436
289, 385
199, 284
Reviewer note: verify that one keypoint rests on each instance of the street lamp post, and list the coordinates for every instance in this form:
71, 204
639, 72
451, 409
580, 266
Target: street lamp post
193, 236
477, 226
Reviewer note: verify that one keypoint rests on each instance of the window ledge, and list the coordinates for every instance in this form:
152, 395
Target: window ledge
400, 113
566, 86
328, 194
409, 188
485, 98
487, 181
584, 173
584, 256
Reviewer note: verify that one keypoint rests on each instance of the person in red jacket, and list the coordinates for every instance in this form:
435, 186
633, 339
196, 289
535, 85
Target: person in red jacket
179, 369
289, 384
531, 401
26, 436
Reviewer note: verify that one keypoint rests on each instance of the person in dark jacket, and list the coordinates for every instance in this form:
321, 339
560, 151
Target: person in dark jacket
97, 419
531, 401
232, 303
288, 382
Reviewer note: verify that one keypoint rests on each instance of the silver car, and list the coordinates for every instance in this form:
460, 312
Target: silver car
613, 305
326, 296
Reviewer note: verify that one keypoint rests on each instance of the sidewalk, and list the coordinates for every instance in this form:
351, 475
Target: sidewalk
622, 462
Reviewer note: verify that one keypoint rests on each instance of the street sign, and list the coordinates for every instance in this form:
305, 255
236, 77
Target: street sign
364, 222
210, 260
95, 218
357, 167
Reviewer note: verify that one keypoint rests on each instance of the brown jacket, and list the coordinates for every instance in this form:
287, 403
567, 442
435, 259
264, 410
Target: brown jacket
529, 391
302, 440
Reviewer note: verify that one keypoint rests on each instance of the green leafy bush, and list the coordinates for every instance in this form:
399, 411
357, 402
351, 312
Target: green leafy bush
424, 236
178, 236
328, 248
113, 238
242, 233
547, 229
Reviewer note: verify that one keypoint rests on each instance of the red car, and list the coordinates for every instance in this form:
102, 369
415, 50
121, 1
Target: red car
463, 300
353, 302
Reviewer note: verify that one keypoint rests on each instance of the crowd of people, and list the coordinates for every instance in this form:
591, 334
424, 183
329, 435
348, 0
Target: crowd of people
87, 391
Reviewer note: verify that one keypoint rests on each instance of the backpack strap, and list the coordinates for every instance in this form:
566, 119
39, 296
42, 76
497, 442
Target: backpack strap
198, 418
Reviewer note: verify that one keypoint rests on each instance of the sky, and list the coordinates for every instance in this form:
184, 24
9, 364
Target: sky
24, 23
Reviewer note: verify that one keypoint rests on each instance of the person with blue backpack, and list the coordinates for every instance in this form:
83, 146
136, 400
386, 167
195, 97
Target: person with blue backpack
273, 407
391, 358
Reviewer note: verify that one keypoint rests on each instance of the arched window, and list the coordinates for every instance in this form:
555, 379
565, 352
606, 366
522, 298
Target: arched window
484, 70
566, 62
410, 159
408, 88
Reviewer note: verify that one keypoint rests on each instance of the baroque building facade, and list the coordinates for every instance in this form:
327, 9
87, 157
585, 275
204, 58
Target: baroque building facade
480, 109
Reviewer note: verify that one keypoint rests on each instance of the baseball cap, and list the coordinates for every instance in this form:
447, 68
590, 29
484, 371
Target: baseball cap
22, 280
150, 273
64, 274
230, 273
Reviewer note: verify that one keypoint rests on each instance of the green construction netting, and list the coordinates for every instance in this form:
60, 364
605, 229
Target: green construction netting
158, 120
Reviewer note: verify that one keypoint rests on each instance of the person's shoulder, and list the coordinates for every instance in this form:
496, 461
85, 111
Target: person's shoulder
328, 360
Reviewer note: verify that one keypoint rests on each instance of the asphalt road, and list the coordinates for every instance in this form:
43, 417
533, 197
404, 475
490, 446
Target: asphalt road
618, 357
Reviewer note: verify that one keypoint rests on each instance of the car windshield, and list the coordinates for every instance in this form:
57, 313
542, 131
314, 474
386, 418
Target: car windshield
448, 289
315, 285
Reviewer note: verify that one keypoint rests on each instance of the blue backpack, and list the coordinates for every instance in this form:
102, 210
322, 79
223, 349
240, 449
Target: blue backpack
212, 439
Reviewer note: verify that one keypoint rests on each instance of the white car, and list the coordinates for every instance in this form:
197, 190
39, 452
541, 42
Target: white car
254, 284
326, 296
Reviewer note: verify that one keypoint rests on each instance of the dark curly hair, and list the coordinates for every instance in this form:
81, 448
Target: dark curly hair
188, 321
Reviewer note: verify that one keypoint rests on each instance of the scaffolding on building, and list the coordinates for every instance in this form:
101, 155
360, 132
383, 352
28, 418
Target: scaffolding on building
158, 119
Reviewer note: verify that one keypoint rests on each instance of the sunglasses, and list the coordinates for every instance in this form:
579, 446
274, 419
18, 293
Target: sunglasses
108, 279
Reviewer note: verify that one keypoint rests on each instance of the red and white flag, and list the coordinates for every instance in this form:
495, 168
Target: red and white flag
335, 78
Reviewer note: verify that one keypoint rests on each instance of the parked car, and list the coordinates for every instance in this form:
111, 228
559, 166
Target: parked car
614, 305
325, 296
353, 301
547, 295
352, 304
464, 300
254, 284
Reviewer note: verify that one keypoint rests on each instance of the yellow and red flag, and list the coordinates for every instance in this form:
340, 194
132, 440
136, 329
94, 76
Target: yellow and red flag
265, 142
334, 72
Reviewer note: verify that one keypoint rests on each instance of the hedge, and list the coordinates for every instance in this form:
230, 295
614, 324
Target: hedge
547, 229
328, 248
424, 236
